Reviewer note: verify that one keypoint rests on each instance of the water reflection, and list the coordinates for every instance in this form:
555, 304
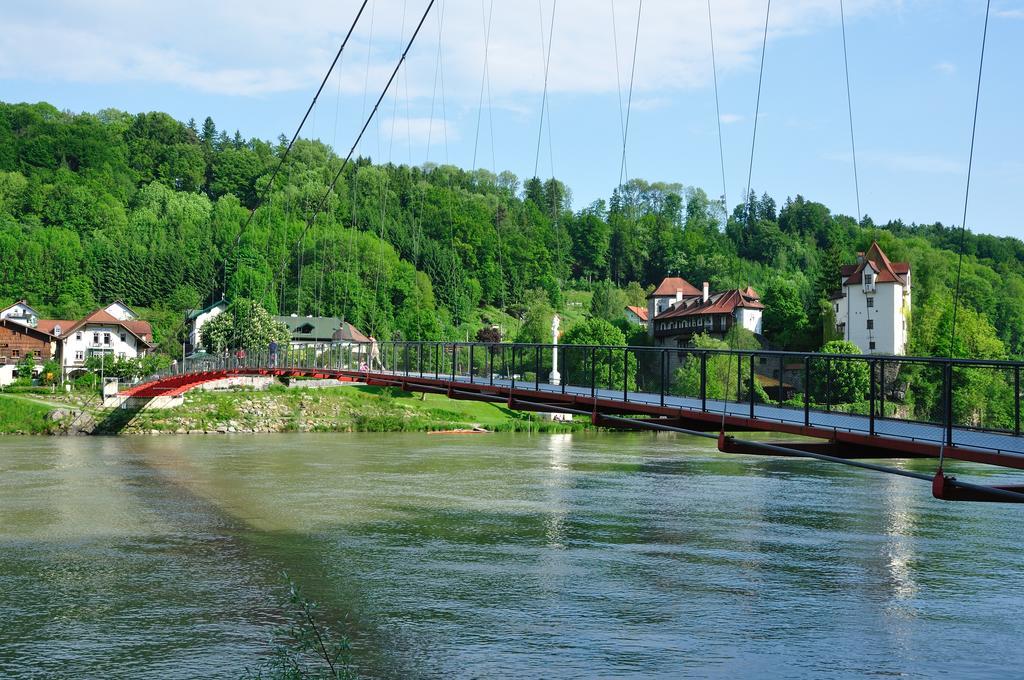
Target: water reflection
558, 446
505, 555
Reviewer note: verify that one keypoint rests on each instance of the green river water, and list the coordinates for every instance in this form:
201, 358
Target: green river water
586, 555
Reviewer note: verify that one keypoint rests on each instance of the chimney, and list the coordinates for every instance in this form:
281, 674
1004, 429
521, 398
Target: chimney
860, 258
679, 294
705, 291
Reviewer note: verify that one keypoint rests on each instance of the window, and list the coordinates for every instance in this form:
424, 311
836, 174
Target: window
106, 338
837, 308
95, 338
15, 353
122, 337
79, 355
871, 345
78, 335
871, 324
871, 302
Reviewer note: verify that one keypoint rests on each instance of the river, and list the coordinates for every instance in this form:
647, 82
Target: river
579, 555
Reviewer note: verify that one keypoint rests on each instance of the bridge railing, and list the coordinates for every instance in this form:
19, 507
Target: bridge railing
894, 394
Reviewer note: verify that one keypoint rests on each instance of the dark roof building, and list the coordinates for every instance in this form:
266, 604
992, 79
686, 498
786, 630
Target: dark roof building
714, 314
311, 330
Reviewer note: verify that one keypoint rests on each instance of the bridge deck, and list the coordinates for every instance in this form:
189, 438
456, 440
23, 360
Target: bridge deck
928, 434
891, 437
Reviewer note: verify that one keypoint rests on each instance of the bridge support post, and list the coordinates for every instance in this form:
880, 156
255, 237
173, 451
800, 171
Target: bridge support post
536, 368
881, 388
872, 388
664, 373
471, 364
703, 381
828, 385
947, 397
739, 377
751, 387
593, 374
1016, 400
807, 391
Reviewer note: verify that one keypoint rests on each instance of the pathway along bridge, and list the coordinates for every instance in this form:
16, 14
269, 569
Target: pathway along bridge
854, 407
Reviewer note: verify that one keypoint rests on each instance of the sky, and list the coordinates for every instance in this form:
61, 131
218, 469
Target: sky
254, 66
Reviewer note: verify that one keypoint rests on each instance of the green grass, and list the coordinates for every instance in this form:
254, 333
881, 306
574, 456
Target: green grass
348, 408
22, 416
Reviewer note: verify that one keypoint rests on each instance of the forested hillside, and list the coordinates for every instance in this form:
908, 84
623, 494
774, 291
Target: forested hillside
144, 208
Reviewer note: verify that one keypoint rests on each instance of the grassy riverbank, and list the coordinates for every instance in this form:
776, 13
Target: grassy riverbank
24, 415
339, 409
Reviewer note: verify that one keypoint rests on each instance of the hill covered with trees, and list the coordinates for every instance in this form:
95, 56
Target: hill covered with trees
150, 210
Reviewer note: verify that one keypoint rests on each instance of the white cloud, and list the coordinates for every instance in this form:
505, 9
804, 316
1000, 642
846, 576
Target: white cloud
1009, 13
945, 68
730, 118
259, 47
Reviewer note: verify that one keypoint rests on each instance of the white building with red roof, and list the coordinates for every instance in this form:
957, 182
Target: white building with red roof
637, 315
115, 331
873, 306
677, 311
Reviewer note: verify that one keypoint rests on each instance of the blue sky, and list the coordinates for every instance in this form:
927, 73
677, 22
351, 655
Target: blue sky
254, 66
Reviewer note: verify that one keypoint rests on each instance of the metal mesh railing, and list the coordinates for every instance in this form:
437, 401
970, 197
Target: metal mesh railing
919, 398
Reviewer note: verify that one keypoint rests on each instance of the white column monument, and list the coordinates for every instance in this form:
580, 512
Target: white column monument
554, 378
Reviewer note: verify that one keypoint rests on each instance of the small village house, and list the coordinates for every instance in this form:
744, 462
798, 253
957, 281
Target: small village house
636, 315
18, 341
872, 307
115, 331
318, 331
677, 311
195, 319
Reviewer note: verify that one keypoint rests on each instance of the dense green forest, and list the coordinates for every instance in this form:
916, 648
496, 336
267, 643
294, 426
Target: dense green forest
144, 208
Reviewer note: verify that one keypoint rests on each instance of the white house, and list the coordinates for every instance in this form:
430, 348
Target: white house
114, 331
22, 313
636, 315
670, 291
873, 307
197, 318
705, 312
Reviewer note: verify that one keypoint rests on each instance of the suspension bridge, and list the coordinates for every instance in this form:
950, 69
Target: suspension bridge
668, 389
647, 388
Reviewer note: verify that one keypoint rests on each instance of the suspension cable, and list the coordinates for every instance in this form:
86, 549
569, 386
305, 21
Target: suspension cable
718, 113
629, 98
757, 110
546, 56
618, 81
749, 206
483, 76
295, 136
323, 199
849, 108
967, 191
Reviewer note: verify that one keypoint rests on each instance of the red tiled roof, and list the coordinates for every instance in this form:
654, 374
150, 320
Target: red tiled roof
28, 330
887, 272
719, 303
639, 311
48, 325
140, 329
671, 284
